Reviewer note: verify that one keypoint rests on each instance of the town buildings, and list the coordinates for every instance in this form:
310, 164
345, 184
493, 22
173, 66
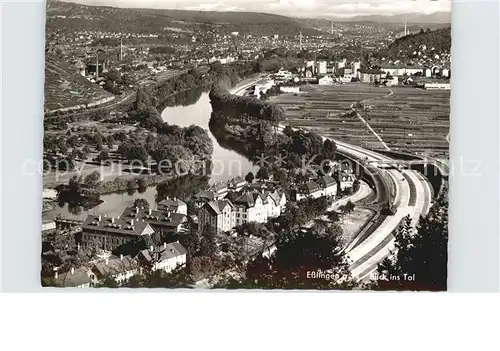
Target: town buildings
73, 278
110, 233
324, 186
121, 269
242, 204
437, 86
218, 214
166, 257
164, 222
326, 80
173, 205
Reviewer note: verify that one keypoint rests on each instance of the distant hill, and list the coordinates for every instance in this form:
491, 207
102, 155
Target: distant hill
439, 39
410, 18
82, 17
64, 87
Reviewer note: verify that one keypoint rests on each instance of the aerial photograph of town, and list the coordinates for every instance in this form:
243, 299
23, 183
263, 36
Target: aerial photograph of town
293, 144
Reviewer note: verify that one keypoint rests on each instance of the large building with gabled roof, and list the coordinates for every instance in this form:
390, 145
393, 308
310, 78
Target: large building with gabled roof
111, 232
218, 214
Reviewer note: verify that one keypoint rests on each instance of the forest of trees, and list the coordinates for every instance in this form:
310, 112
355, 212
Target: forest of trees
226, 104
421, 258
439, 39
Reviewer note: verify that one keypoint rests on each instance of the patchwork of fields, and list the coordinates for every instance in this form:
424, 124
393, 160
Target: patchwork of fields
406, 118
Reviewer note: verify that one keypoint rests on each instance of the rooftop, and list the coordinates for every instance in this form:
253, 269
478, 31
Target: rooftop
115, 265
164, 252
172, 203
73, 278
119, 225
154, 217
326, 181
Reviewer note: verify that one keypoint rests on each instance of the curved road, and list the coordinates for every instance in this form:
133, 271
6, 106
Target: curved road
365, 256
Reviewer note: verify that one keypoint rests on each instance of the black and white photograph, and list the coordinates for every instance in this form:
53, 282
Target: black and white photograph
263, 145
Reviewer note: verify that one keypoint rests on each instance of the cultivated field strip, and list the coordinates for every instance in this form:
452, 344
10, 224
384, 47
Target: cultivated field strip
410, 119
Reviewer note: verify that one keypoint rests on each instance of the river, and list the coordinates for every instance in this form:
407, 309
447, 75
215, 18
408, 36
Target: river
227, 163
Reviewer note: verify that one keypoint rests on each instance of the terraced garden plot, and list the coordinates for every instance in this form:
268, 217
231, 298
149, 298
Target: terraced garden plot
65, 88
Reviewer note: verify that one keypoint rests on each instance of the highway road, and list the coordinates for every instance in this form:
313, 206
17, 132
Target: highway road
365, 256
409, 190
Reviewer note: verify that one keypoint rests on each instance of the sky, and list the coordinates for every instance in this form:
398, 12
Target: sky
294, 8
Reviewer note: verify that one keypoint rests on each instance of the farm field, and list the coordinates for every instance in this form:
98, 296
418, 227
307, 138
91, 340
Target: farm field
406, 118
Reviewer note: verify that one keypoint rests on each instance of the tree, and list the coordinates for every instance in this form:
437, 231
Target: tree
421, 256
333, 216
263, 173
329, 149
103, 156
249, 177
142, 203
109, 282
110, 141
349, 207
142, 183
131, 184
208, 246
297, 256
92, 180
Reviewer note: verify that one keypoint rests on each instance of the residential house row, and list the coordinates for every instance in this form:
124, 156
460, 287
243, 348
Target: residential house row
225, 206
109, 233
326, 186
166, 257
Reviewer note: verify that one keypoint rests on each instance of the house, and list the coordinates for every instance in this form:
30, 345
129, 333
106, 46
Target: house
328, 185
371, 75
220, 190
269, 251
110, 233
48, 225
401, 71
326, 80
74, 278
204, 196
121, 269
49, 194
390, 80
325, 186
322, 67
163, 222
310, 189
218, 214
294, 89
166, 257
309, 73
250, 207
355, 67
237, 184
173, 205
437, 86
276, 202
346, 181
